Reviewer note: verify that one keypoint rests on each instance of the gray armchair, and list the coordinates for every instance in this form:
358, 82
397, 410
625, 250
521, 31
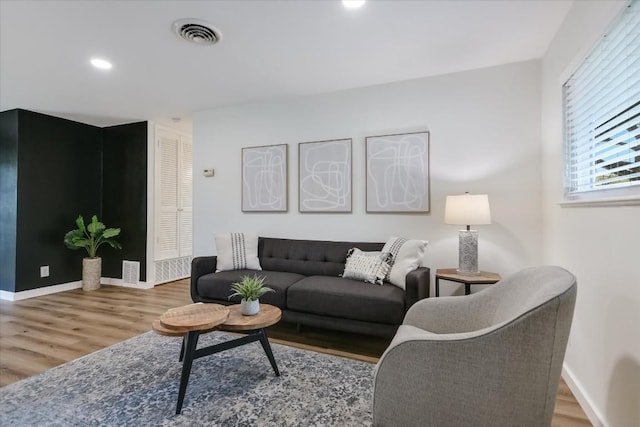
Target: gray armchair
492, 358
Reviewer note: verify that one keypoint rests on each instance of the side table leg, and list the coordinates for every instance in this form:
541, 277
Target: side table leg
467, 288
437, 286
267, 349
190, 342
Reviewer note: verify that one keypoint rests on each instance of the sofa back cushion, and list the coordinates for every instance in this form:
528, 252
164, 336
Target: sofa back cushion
308, 257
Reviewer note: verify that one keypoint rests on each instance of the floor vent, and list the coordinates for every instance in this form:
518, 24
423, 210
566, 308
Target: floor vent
131, 272
168, 270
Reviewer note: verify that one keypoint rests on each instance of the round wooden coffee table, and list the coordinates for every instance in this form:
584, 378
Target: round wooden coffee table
237, 322
194, 319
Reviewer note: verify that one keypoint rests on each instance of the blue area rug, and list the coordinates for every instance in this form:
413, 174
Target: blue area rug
135, 383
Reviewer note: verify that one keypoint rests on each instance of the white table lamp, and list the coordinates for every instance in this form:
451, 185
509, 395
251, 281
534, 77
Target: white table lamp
467, 209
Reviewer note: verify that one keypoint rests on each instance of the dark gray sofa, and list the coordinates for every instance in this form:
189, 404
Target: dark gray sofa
308, 289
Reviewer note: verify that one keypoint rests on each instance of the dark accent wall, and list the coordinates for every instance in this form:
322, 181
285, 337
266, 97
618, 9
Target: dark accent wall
124, 194
55, 170
59, 177
8, 198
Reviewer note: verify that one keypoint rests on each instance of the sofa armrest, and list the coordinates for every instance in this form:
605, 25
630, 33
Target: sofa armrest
199, 267
418, 283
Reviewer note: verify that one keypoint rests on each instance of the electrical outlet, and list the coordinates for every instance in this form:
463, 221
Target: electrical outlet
44, 271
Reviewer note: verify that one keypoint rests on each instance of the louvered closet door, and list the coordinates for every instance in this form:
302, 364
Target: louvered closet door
167, 243
185, 210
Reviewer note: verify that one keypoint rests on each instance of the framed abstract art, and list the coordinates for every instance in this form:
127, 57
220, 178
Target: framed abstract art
397, 169
324, 176
264, 178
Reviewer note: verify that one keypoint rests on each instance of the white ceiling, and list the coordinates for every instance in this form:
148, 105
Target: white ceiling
270, 49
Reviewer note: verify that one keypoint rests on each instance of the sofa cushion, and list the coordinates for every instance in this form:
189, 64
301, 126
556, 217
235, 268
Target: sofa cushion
218, 285
237, 251
346, 298
371, 267
407, 256
308, 257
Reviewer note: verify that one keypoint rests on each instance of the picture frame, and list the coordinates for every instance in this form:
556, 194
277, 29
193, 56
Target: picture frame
265, 180
325, 176
397, 173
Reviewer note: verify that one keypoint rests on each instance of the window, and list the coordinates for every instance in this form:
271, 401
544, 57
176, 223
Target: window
602, 116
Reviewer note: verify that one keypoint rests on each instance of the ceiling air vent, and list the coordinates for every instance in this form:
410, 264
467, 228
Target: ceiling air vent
197, 31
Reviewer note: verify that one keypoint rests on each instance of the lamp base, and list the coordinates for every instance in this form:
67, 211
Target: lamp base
468, 253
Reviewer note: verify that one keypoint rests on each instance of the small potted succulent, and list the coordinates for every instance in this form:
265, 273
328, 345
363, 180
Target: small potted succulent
250, 289
91, 237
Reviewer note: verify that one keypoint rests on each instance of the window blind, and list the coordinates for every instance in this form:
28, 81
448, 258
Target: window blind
602, 112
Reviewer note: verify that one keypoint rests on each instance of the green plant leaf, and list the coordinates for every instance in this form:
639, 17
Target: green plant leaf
91, 236
110, 232
250, 288
71, 237
81, 242
114, 244
96, 228
80, 223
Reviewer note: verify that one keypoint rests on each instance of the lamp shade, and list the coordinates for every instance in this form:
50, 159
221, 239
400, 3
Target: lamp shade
467, 209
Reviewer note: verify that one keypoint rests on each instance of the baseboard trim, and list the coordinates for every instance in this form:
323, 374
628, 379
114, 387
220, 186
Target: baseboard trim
118, 282
47, 290
54, 289
576, 388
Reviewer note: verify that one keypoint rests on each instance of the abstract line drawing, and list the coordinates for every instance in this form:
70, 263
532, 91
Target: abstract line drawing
398, 173
264, 178
324, 173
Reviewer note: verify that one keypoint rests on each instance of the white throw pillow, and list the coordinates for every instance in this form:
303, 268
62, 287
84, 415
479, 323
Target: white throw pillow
370, 267
237, 251
407, 256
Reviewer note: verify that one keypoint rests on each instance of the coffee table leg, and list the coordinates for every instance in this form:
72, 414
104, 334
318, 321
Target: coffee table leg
182, 346
189, 344
267, 349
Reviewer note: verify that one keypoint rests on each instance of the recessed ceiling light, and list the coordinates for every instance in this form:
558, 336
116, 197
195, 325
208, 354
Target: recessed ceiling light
352, 4
101, 64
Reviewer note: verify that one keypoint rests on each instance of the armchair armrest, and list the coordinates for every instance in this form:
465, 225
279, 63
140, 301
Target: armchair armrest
418, 283
447, 315
199, 267
433, 368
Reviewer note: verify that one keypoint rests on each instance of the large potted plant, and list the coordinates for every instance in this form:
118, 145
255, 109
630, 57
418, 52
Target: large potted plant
250, 289
91, 237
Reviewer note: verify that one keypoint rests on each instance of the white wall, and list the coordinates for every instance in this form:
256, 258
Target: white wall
485, 138
598, 244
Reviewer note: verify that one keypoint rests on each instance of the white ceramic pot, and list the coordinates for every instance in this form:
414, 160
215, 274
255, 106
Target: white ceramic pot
250, 308
91, 272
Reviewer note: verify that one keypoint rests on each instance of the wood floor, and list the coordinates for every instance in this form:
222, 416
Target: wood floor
39, 333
